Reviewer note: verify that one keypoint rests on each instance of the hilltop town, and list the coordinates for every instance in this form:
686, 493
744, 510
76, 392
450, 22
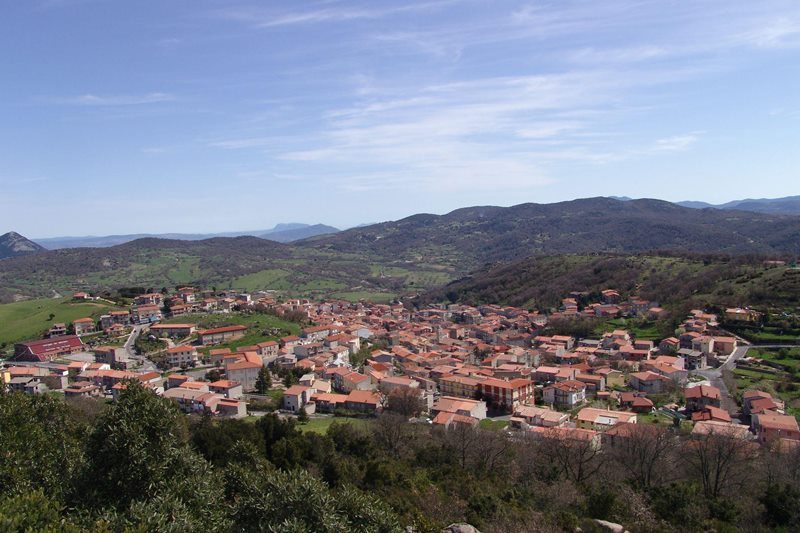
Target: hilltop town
443, 365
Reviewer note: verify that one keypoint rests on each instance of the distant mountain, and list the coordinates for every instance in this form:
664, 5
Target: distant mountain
471, 237
12, 244
91, 241
789, 205
295, 234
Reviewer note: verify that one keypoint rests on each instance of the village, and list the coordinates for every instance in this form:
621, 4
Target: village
443, 365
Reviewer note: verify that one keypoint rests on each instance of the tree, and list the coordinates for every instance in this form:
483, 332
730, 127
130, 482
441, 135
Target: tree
135, 446
719, 460
213, 375
577, 457
644, 452
392, 432
41, 445
289, 379
302, 416
406, 401
264, 381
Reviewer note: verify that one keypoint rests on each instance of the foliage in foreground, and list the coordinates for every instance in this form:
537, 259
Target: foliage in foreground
141, 465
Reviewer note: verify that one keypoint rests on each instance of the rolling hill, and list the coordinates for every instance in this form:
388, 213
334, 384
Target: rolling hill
676, 280
468, 238
12, 244
409, 255
789, 205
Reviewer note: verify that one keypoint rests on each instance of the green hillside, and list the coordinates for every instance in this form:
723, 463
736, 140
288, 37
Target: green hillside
25, 320
673, 280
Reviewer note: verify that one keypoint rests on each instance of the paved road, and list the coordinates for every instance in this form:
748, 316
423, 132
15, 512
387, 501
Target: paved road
714, 375
144, 364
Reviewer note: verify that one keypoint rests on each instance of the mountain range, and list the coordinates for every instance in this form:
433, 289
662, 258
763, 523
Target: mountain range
789, 205
285, 232
413, 253
468, 238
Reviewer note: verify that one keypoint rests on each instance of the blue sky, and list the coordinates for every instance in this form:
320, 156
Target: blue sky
203, 116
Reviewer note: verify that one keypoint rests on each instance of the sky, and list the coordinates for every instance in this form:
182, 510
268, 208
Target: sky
211, 115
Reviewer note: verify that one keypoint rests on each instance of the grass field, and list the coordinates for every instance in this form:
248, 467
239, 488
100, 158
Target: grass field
321, 425
640, 329
257, 323
354, 296
789, 357
270, 279
494, 425
26, 320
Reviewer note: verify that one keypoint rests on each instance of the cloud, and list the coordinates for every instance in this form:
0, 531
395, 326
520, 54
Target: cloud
90, 100
781, 32
263, 19
676, 143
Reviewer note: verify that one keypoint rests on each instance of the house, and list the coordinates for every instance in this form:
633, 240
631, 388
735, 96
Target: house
649, 382
181, 355
738, 314
526, 416
363, 401
451, 420
269, 351
771, 427
613, 378
84, 326
459, 386
327, 402
565, 394
57, 330
115, 320
506, 394
462, 406
755, 402
724, 345
355, 381
229, 389
711, 413
47, 349
602, 419
702, 396
84, 389
594, 383
389, 384
296, 397
220, 335
172, 330
116, 358
146, 314
245, 370
151, 298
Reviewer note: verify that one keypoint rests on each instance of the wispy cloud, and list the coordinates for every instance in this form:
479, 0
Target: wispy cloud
676, 143
779, 32
111, 100
267, 19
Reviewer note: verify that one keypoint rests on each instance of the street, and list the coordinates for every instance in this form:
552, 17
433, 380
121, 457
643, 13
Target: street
145, 364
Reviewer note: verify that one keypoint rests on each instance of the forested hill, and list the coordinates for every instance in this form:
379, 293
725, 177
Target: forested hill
683, 281
474, 236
